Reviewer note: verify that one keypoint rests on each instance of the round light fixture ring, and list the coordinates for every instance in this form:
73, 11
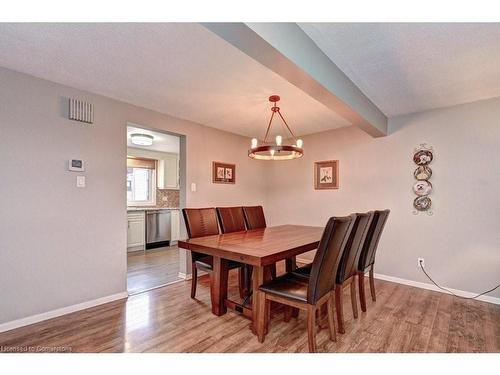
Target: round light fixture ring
141, 139
272, 152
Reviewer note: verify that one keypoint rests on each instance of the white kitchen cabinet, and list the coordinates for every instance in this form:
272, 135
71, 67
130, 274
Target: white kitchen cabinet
171, 171
175, 223
136, 234
167, 174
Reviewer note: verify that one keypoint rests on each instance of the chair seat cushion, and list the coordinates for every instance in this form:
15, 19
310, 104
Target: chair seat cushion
206, 263
304, 271
289, 286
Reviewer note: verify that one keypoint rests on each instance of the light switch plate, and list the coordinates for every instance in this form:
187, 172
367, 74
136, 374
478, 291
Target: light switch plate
80, 181
193, 186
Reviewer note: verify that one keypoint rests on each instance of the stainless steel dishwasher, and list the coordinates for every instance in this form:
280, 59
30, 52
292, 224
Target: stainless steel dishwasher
158, 228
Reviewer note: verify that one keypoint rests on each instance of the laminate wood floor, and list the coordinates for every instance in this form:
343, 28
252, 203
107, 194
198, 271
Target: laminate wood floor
403, 319
155, 267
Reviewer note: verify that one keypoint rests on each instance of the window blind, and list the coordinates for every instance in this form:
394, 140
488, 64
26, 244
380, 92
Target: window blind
133, 162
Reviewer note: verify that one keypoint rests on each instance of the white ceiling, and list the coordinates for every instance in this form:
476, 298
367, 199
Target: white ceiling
189, 72
405, 68
161, 142
181, 69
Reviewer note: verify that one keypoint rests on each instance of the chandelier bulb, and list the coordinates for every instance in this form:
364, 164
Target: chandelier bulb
278, 140
299, 143
254, 142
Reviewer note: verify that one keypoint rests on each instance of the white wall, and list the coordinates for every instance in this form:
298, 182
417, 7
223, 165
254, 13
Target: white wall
460, 242
60, 245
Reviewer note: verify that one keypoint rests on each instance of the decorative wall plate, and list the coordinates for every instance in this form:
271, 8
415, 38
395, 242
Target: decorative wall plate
422, 203
422, 188
423, 172
423, 157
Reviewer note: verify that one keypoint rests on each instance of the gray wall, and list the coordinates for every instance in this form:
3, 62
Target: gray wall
460, 242
61, 245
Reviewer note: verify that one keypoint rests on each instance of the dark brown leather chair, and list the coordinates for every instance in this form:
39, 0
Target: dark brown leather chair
367, 255
348, 267
202, 222
310, 293
231, 219
254, 217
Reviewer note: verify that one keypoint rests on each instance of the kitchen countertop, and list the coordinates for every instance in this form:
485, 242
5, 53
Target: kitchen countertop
151, 208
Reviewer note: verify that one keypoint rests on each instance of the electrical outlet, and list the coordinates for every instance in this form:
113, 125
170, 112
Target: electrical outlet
421, 261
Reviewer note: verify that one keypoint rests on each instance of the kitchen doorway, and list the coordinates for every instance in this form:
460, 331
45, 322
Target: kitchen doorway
153, 208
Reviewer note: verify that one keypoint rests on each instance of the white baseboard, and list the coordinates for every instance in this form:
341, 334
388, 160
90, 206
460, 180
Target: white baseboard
189, 276
185, 276
417, 284
62, 311
303, 260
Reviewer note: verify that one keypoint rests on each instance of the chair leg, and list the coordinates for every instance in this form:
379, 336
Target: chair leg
288, 313
372, 284
361, 287
331, 320
241, 282
194, 279
290, 264
339, 307
249, 279
354, 304
311, 328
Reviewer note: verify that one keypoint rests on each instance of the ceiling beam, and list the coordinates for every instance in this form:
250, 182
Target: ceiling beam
287, 50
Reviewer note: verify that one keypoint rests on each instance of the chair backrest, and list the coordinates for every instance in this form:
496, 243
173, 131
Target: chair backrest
254, 217
350, 258
327, 259
367, 256
200, 221
231, 219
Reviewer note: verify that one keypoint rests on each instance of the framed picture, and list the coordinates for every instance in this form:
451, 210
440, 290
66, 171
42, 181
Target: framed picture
326, 174
223, 173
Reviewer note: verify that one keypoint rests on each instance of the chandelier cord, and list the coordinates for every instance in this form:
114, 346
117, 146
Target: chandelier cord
290, 130
275, 109
269, 126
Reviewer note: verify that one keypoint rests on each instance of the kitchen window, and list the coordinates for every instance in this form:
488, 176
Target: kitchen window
141, 182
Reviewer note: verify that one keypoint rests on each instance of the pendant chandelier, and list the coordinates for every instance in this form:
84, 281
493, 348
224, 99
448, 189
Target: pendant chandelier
276, 151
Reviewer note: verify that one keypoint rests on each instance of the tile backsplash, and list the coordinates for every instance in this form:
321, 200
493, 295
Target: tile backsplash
167, 198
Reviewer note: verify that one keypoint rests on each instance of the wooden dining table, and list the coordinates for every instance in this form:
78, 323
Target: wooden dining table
260, 248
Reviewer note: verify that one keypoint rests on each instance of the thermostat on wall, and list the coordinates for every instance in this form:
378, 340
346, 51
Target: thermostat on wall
76, 165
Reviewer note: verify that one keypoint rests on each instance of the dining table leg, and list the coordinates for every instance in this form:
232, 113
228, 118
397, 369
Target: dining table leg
218, 285
258, 303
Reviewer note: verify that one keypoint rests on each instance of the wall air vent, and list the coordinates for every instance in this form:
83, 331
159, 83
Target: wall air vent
81, 111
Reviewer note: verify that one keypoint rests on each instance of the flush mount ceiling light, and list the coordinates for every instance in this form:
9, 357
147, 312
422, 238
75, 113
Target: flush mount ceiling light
276, 151
141, 139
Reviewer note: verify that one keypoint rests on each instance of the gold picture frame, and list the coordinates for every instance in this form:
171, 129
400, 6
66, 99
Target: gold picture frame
326, 175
